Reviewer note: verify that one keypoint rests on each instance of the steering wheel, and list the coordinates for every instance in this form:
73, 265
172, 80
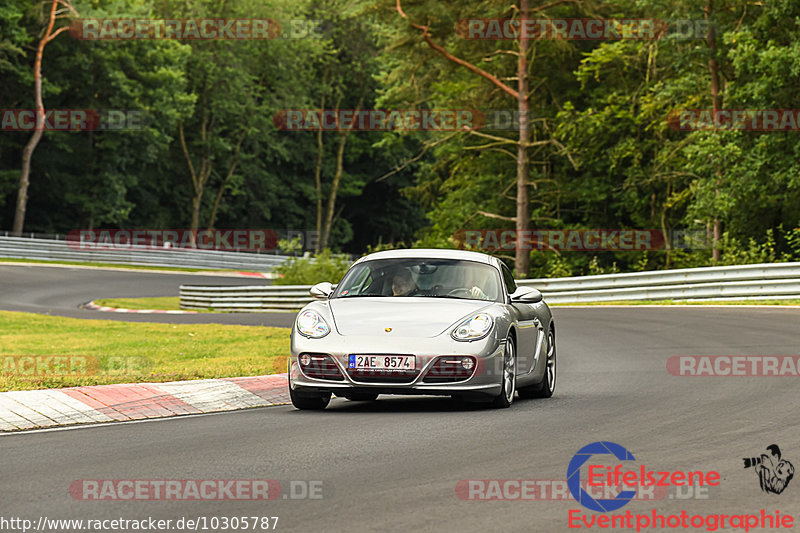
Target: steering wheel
459, 290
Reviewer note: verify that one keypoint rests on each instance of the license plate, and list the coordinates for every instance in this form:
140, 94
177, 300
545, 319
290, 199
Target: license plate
382, 362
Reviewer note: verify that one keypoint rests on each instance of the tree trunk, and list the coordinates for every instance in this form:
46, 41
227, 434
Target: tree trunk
327, 221
234, 163
318, 182
523, 255
24, 178
27, 152
522, 218
337, 178
197, 200
667, 244
200, 176
197, 204
713, 70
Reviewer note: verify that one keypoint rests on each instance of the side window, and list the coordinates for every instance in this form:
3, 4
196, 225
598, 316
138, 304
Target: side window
361, 281
508, 279
363, 284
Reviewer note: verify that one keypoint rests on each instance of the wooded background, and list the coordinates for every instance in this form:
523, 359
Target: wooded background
596, 150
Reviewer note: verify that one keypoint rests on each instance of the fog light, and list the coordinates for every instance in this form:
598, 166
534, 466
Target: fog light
305, 359
467, 363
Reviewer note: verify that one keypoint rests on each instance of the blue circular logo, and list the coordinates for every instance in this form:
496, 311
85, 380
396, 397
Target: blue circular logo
574, 476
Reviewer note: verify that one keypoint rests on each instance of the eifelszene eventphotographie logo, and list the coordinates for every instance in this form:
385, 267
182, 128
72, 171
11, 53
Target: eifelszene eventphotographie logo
774, 472
627, 477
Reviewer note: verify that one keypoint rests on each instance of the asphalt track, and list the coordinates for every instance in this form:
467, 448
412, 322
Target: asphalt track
393, 465
62, 290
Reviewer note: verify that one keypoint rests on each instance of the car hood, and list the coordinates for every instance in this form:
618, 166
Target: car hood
407, 317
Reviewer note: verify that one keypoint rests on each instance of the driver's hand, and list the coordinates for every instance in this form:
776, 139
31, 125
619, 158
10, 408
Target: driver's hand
477, 293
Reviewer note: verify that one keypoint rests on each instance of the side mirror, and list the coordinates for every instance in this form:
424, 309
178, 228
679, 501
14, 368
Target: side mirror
526, 295
322, 291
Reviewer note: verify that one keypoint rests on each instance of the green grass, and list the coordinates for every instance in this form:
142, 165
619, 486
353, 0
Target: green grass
172, 303
127, 352
166, 303
161, 303
109, 265
686, 302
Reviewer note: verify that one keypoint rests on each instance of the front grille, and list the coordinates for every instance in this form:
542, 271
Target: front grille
321, 366
383, 376
448, 369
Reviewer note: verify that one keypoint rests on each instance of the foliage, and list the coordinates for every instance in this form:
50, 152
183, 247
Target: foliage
141, 178
325, 266
614, 161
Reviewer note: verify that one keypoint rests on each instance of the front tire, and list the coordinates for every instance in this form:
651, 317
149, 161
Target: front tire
309, 401
509, 380
547, 386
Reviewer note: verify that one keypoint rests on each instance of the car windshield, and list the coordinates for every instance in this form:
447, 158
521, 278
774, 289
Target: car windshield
432, 278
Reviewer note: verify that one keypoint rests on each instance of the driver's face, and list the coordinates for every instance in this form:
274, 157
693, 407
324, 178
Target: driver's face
401, 286
398, 289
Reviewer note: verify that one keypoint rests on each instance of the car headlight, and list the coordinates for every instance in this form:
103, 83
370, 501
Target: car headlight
311, 324
474, 328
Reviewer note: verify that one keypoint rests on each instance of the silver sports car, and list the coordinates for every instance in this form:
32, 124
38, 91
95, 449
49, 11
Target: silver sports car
443, 322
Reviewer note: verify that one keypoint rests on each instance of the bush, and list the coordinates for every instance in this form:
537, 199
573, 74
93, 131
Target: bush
559, 267
310, 270
733, 252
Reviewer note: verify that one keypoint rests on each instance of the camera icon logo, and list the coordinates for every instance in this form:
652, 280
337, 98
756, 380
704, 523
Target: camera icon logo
774, 473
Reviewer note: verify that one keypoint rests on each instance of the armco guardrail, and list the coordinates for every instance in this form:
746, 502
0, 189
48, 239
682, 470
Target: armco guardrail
248, 298
747, 282
58, 250
738, 282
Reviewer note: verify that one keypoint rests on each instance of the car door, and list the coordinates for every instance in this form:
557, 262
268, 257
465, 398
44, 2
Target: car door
529, 327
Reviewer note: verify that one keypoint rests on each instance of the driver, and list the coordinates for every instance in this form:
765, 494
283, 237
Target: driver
473, 285
403, 284
476, 292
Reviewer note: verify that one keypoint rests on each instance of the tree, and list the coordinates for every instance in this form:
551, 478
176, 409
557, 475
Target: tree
237, 85
521, 96
50, 33
346, 71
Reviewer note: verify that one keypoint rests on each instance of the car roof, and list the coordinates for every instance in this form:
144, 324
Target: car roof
431, 253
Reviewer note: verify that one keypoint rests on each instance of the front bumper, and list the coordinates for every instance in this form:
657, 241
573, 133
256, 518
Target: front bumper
485, 379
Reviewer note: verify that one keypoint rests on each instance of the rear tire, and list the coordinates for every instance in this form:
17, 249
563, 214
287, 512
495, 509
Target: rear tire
309, 401
509, 379
547, 386
361, 396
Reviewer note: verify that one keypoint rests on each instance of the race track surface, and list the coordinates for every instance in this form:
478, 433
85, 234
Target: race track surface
393, 465
62, 290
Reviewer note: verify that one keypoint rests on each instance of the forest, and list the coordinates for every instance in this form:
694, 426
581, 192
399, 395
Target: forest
412, 123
